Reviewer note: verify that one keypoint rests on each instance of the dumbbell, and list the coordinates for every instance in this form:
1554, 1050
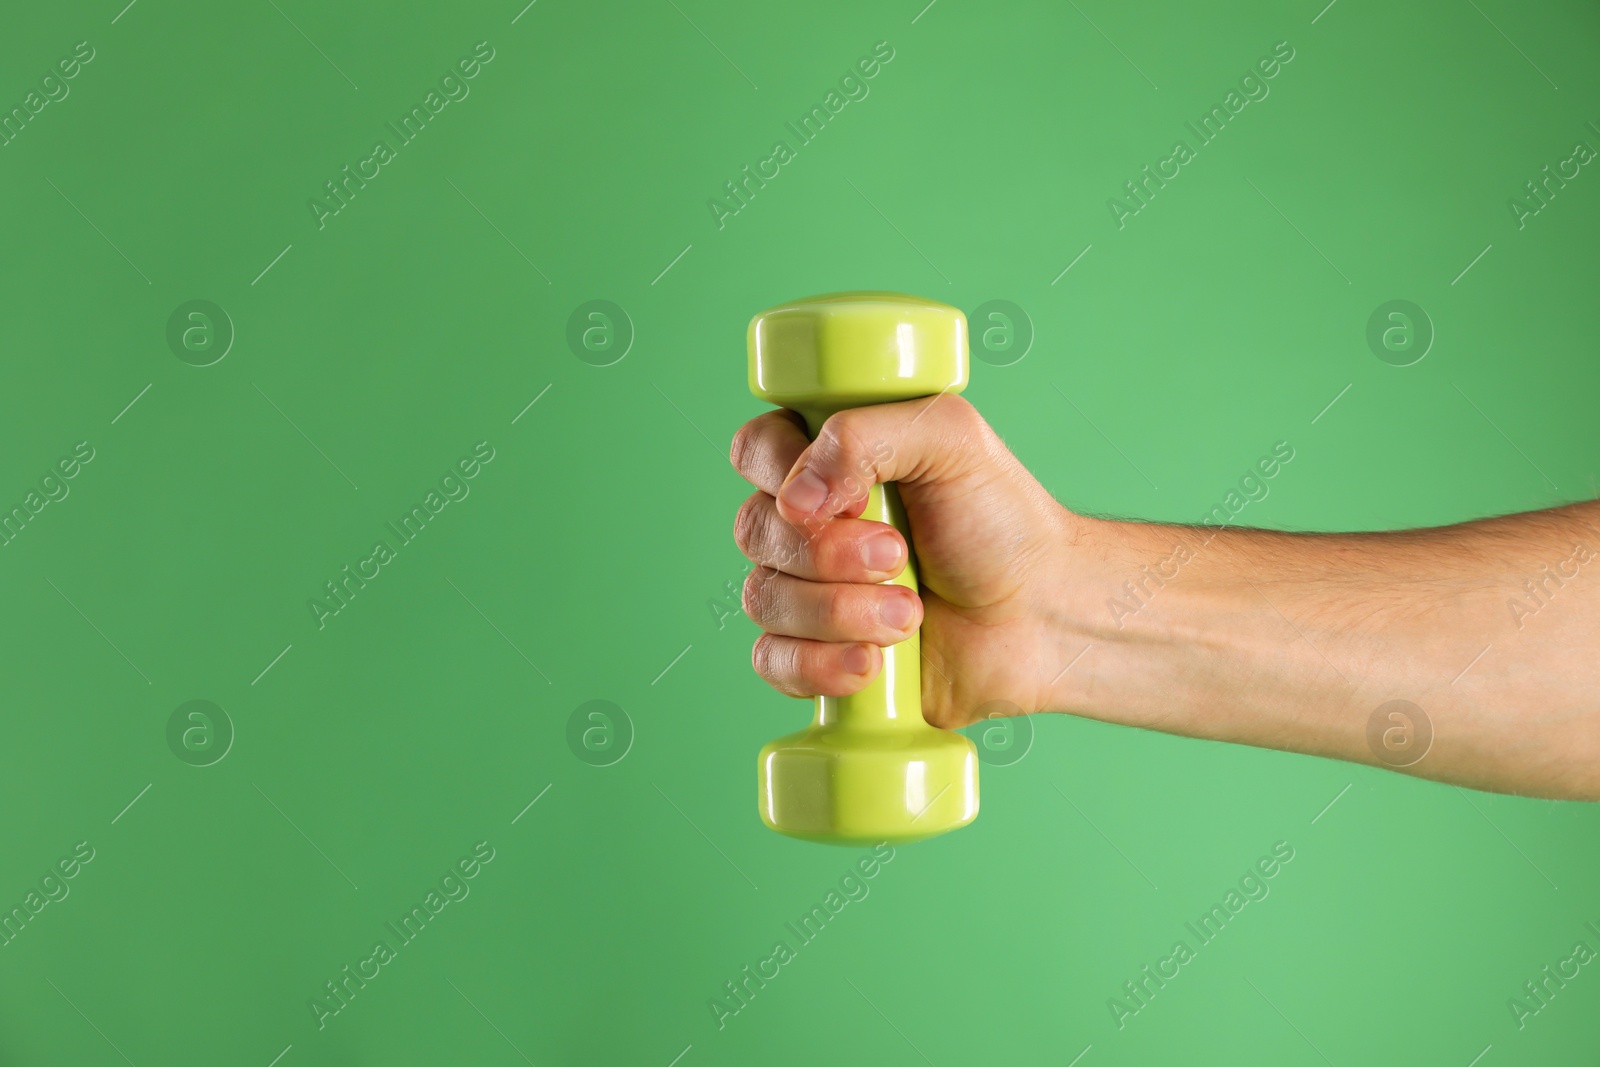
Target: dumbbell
869, 768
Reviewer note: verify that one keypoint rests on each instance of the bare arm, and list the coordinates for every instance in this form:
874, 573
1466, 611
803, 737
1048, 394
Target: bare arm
1489, 630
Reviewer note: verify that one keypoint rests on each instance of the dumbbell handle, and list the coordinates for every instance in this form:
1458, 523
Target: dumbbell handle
894, 698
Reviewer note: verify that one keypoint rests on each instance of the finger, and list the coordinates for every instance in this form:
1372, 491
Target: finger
765, 448
831, 611
844, 550
803, 668
914, 441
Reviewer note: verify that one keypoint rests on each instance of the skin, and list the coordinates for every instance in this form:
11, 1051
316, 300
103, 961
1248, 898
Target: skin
1290, 641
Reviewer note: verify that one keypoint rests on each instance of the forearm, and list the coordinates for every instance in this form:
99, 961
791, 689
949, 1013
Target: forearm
1295, 641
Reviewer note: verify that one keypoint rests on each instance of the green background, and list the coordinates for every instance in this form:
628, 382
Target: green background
586, 564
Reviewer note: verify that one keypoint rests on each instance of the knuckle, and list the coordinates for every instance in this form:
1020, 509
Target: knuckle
827, 439
747, 524
771, 660
846, 431
842, 456
787, 554
834, 439
811, 664
965, 422
848, 423
751, 598
836, 607
736, 450
761, 655
962, 409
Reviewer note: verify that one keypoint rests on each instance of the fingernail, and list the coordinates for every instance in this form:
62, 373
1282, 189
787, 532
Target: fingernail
881, 552
856, 659
806, 491
897, 612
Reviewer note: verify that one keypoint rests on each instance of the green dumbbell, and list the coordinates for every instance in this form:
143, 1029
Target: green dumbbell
869, 768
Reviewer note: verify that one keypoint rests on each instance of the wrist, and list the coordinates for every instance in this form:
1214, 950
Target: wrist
1100, 610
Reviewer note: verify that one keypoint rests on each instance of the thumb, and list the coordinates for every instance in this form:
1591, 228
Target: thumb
916, 442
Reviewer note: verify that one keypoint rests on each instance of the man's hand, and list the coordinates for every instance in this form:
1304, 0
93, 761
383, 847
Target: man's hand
987, 537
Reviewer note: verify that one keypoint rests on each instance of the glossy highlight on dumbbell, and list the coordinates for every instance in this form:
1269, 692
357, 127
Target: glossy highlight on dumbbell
869, 768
